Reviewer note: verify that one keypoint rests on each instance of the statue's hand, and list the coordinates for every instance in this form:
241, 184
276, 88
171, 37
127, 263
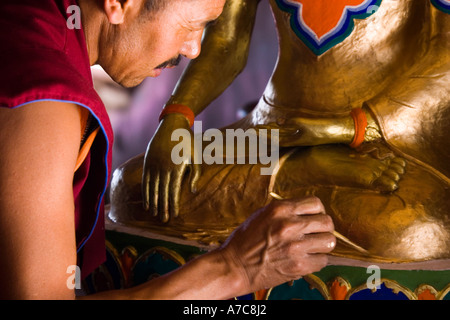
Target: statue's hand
162, 178
312, 132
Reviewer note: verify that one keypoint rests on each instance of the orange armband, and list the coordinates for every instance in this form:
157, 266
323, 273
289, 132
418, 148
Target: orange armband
360, 119
178, 108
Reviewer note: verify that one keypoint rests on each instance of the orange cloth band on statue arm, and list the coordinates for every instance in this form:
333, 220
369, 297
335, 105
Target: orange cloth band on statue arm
360, 120
178, 108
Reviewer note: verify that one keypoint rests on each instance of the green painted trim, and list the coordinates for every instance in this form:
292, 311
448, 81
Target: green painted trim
142, 244
411, 279
355, 276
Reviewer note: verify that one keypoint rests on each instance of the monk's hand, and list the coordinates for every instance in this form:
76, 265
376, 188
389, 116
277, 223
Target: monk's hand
164, 170
281, 242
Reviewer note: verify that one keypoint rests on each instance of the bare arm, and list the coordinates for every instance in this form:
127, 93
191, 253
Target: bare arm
39, 147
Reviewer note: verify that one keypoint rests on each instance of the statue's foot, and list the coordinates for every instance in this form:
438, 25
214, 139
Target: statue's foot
336, 165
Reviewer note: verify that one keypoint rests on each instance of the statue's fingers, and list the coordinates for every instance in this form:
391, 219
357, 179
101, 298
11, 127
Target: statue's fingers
196, 172
145, 186
163, 197
153, 189
175, 193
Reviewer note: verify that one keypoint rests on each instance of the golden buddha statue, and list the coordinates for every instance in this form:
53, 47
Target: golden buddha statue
390, 193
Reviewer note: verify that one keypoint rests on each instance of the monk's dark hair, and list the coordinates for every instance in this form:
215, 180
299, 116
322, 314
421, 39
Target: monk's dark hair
152, 6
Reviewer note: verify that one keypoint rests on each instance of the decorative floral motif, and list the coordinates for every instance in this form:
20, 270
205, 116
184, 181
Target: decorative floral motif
321, 24
426, 292
339, 289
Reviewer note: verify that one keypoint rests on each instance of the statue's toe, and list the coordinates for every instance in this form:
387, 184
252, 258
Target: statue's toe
389, 178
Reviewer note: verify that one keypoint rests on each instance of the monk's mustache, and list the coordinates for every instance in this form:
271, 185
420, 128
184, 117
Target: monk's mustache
170, 63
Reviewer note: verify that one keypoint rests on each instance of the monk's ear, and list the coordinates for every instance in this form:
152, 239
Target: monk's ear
115, 9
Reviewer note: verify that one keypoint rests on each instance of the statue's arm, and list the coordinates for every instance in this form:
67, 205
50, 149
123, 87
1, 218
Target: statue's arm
224, 55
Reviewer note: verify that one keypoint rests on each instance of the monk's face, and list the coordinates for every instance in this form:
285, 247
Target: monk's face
146, 41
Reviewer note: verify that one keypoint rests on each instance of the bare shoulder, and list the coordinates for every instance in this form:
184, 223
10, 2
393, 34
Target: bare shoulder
38, 125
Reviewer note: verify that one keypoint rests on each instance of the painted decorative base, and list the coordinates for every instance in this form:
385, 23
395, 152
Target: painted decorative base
135, 258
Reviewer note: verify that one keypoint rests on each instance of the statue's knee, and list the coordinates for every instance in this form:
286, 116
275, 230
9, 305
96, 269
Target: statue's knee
422, 240
126, 186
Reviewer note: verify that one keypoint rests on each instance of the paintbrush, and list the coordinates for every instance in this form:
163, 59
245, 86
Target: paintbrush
335, 233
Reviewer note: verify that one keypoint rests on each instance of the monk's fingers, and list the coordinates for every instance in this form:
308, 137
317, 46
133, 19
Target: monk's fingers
316, 243
298, 207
